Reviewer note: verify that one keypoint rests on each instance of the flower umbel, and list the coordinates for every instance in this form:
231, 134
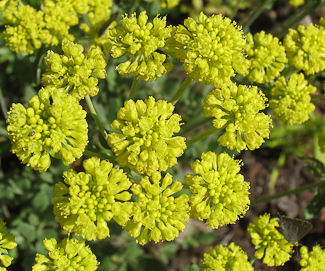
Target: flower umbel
53, 124
59, 16
70, 254
98, 13
158, 216
291, 100
141, 40
86, 201
226, 258
146, 143
268, 241
236, 108
25, 28
73, 71
219, 192
267, 57
305, 48
313, 260
7, 241
211, 49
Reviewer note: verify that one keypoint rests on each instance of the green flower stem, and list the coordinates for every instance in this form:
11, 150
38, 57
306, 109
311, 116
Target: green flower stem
95, 117
293, 20
104, 156
4, 108
252, 260
133, 88
317, 96
202, 136
235, 10
254, 14
181, 89
194, 124
287, 193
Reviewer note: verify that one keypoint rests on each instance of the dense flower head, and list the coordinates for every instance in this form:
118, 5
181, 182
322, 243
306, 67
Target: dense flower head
313, 260
86, 201
219, 192
211, 49
25, 29
73, 71
236, 108
52, 124
268, 241
226, 258
267, 57
145, 142
291, 100
59, 16
168, 3
158, 215
98, 13
139, 39
7, 241
71, 254
305, 48
296, 3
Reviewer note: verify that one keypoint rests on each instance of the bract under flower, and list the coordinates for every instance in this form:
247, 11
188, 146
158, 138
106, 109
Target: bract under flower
86, 201
146, 143
219, 193
52, 124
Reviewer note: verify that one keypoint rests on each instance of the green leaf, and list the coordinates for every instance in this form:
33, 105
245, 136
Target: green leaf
148, 263
167, 251
315, 206
193, 267
43, 198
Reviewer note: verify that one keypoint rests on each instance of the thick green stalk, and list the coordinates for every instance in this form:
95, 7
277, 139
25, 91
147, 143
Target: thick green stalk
287, 193
4, 108
180, 91
194, 124
133, 87
95, 117
202, 136
235, 10
254, 15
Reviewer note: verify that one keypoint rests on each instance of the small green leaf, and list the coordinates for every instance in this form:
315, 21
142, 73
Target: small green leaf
315, 206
